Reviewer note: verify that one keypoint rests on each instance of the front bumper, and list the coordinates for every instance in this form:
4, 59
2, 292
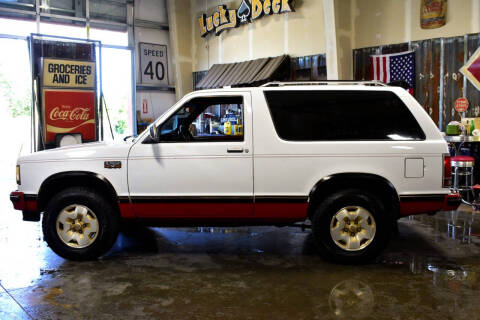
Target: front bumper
27, 203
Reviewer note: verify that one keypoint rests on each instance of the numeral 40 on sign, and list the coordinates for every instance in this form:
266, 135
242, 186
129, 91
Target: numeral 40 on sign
158, 71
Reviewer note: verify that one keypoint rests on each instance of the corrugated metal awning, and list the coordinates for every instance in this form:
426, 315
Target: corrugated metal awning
240, 74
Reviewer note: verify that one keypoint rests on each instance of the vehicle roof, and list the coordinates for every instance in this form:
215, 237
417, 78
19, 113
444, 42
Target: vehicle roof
340, 87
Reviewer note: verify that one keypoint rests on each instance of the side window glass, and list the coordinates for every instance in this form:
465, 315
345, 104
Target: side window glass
174, 122
346, 115
206, 119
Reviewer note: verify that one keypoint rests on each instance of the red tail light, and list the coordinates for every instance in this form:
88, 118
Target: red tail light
447, 171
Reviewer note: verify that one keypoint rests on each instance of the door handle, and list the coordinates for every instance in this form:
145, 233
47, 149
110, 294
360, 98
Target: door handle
235, 150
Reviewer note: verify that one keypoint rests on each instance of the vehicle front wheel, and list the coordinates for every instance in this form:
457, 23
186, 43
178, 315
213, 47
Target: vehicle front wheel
79, 224
351, 227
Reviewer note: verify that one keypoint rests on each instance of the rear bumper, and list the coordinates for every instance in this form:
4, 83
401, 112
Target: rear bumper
418, 204
452, 202
27, 203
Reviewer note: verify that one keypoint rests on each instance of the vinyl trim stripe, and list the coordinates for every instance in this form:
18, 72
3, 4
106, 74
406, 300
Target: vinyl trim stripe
422, 197
214, 199
191, 199
281, 199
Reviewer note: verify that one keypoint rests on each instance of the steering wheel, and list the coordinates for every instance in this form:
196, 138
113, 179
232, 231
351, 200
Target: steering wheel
184, 133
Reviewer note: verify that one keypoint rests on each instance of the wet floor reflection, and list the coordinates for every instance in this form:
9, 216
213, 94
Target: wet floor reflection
351, 299
431, 270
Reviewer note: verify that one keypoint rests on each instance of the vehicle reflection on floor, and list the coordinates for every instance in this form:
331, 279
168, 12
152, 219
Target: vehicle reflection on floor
431, 268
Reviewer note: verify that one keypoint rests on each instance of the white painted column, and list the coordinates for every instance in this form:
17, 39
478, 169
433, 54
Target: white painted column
408, 20
250, 41
475, 16
172, 21
220, 48
285, 34
330, 39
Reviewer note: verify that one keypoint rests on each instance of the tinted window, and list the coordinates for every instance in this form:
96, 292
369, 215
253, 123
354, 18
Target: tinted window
341, 115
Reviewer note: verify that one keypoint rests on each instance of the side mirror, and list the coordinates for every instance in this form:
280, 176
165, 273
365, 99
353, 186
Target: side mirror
154, 133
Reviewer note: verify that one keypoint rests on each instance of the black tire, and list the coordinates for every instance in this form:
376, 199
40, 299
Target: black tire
322, 221
108, 223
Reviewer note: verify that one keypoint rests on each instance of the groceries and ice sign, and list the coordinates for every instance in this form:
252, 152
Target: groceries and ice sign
68, 73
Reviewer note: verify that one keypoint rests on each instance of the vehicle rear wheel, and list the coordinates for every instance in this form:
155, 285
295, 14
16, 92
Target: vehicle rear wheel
78, 224
351, 227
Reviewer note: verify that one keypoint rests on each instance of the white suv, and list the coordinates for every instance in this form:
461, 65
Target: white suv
351, 157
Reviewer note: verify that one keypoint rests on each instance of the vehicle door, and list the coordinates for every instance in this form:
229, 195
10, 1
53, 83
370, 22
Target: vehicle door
201, 165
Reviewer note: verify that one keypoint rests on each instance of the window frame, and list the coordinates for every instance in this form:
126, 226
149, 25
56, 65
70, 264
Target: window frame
237, 139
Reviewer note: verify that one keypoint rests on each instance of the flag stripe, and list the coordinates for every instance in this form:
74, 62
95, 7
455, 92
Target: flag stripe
372, 67
378, 70
384, 69
388, 73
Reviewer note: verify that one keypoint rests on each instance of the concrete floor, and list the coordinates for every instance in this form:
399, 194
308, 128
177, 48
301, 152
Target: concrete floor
243, 273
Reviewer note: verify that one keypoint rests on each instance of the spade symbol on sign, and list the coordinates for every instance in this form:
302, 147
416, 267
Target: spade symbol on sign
243, 11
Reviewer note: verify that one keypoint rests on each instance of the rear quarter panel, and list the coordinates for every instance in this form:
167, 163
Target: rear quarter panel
286, 168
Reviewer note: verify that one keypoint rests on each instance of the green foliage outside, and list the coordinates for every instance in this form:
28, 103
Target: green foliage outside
120, 126
118, 114
18, 102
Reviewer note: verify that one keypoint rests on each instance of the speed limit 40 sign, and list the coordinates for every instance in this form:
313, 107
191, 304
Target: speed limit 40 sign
153, 64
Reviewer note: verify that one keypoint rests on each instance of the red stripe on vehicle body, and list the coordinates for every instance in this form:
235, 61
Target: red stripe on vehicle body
126, 210
218, 210
193, 210
281, 210
418, 207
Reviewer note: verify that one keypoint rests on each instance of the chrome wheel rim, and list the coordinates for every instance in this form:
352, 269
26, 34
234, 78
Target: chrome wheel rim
352, 228
77, 226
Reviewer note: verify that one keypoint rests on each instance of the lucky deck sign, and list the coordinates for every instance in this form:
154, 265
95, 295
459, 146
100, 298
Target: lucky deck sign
69, 111
248, 11
68, 73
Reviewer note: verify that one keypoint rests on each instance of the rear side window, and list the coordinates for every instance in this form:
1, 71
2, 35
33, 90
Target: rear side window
341, 115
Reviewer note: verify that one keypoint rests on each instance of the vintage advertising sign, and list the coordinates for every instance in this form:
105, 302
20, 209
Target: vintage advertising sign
153, 64
433, 13
461, 105
224, 18
68, 73
69, 111
471, 69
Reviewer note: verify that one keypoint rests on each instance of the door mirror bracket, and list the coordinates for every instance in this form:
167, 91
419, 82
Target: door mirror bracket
154, 133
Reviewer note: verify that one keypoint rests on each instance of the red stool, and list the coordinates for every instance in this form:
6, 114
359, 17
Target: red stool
462, 171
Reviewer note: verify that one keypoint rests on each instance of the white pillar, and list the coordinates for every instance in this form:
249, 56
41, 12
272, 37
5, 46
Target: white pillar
330, 39
408, 20
475, 16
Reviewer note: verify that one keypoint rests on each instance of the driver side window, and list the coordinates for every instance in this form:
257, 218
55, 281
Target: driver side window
205, 119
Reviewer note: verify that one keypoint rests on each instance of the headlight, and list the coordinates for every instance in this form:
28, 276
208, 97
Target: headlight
18, 174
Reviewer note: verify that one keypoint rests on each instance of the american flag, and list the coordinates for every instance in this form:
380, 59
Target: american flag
394, 67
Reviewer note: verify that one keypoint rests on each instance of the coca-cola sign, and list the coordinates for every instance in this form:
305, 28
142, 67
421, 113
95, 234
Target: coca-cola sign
73, 114
69, 111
